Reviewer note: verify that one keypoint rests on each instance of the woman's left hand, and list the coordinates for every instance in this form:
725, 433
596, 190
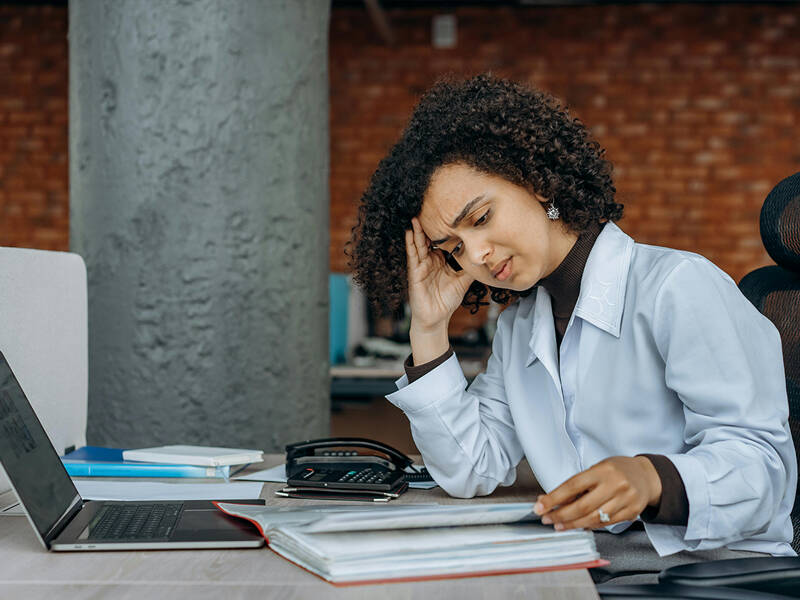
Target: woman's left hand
620, 486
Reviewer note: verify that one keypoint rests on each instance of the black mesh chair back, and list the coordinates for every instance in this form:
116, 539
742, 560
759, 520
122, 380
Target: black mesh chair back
775, 292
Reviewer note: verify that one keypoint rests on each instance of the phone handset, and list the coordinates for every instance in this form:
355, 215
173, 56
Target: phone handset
320, 452
317, 447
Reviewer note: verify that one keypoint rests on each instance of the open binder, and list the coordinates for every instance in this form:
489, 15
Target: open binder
352, 545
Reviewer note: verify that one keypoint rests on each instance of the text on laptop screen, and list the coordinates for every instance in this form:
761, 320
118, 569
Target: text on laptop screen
28, 457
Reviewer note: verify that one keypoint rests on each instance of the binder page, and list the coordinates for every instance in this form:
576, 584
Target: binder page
270, 517
403, 516
409, 516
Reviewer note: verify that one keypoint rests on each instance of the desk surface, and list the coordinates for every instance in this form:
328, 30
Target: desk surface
28, 571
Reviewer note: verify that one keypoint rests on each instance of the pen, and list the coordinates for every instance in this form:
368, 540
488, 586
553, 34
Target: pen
301, 494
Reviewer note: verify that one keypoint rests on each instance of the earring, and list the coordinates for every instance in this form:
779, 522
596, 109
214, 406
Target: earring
552, 212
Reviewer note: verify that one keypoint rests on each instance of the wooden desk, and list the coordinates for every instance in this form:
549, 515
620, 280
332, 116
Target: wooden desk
28, 571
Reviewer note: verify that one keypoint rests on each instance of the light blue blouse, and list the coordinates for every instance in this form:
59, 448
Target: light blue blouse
662, 355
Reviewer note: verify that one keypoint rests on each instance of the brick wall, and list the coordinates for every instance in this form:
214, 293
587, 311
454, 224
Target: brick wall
697, 105
34, 206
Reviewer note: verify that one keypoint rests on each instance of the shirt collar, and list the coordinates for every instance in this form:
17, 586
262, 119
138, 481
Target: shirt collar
605, 277
601, 298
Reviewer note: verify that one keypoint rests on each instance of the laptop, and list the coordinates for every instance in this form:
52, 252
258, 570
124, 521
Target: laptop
64, 521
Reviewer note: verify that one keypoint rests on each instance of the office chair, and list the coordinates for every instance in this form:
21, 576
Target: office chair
673, 591
775, 292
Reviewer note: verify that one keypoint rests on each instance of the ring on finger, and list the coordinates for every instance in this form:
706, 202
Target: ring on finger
604, 516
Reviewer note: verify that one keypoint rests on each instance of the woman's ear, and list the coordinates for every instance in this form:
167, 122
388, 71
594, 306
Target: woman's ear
540, 199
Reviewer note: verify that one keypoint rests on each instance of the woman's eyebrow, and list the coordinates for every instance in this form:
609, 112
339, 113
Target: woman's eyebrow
464, 212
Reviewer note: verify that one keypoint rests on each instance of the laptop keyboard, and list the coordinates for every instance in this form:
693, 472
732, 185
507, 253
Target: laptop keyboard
137, 522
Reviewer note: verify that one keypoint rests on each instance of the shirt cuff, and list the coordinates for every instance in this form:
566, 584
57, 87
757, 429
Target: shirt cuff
414, 372
673, 508
443, 382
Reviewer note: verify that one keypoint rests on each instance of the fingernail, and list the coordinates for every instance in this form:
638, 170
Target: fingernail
559, 526
546, 520
538, 508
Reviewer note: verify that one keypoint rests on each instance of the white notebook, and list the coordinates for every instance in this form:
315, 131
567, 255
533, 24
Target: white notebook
195, 455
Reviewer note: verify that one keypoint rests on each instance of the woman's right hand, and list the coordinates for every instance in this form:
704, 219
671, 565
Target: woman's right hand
435, 290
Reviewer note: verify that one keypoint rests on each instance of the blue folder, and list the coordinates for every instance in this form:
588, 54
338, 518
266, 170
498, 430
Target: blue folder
97, 461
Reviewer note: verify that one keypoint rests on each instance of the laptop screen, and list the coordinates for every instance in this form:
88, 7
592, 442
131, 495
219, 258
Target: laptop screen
31, 463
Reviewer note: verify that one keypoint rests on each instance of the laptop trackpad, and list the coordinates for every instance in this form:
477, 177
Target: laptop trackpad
212, 518
204, 516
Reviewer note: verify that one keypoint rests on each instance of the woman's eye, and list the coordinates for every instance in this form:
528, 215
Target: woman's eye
457, 250
483, 219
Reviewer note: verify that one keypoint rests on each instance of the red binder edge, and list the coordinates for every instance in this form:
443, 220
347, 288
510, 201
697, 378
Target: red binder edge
584, 565
256, 523
600, 562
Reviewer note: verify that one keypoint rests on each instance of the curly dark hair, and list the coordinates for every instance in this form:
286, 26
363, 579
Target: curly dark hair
497, 127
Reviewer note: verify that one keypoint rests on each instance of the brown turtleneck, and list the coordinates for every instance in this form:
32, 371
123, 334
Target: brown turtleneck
564, 286
564, 283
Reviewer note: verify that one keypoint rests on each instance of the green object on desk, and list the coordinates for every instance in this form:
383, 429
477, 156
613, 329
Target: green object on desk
339, 291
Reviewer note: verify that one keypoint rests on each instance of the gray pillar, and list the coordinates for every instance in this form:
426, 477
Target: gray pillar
199, 200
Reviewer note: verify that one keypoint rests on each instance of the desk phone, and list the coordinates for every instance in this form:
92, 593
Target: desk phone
349, 464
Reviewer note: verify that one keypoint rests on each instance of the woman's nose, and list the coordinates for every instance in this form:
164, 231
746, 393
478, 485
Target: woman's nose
478, 251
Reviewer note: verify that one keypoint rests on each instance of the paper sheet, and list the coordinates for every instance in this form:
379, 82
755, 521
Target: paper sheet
93, 489
9, 505
324, 519
13, 510
277, 474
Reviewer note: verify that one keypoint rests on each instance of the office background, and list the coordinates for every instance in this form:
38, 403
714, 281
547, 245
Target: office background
697, 104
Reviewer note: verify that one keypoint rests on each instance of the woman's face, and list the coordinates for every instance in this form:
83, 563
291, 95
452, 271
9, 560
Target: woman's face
496, 230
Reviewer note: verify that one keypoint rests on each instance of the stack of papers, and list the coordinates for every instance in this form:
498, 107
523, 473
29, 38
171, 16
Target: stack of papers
344, 545
205, 456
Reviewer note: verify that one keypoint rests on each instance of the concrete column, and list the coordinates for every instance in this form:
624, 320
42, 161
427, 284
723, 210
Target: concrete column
199, 200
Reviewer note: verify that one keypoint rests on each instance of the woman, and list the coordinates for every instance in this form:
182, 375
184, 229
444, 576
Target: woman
645, 391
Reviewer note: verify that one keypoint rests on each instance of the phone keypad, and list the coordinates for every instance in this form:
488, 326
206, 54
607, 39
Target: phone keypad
363, 476
367, 478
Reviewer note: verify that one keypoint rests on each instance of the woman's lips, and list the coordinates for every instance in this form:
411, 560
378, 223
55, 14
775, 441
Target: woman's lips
505, 272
